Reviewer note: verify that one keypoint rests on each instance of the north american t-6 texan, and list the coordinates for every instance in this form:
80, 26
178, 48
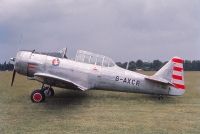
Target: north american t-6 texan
90, 71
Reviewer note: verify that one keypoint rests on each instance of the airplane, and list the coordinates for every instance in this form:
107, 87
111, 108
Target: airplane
90, 71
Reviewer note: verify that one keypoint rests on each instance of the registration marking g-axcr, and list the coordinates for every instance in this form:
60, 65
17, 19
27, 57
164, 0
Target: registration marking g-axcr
127, 81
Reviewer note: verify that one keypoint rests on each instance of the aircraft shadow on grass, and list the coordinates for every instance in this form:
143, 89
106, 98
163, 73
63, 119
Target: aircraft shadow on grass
77, 98
67, 98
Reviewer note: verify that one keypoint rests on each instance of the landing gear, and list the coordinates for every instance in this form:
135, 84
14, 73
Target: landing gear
160, 97
48, 91
38, 96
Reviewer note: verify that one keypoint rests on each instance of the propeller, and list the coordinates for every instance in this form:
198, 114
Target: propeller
14, 72
13, 77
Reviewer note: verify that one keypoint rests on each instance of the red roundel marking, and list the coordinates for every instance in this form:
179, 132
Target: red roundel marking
177, 60
55, 62
37, 97
179, 69
177, 77
179, 86
95, 68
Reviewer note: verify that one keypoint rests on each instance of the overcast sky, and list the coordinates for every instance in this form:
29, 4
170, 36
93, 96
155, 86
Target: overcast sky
121, 29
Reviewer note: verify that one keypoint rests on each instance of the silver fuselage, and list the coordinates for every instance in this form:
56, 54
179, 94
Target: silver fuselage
92, 76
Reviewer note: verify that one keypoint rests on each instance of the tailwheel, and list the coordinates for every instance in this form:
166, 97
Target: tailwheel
37, 96
48, 91
160, 97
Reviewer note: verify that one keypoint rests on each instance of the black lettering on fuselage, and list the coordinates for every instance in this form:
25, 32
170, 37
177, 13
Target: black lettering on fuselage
133, 82
124, 80
137, 83
117, 78
128, 81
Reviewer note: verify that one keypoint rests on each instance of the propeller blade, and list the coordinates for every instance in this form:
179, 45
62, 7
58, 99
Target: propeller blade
13, 77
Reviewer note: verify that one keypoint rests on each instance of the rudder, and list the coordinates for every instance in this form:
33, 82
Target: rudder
174, 73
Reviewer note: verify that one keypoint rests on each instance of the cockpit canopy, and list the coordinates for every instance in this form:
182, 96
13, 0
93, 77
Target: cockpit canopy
83, 56
91, 58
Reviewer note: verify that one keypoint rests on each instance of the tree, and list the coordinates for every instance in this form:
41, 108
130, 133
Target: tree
132, 66
187, 65
6, 66
122, 65
139, 64
156, 65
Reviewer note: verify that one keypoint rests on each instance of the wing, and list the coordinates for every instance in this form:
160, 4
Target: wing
45, 76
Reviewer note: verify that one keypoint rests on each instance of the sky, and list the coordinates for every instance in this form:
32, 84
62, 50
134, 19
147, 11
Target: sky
121, 29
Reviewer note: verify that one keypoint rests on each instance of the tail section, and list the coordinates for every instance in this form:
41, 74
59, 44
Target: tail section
173, 72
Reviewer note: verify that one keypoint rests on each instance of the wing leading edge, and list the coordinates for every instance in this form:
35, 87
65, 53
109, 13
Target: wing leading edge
53, 77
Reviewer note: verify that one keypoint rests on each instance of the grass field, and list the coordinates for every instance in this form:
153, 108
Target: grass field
97, 111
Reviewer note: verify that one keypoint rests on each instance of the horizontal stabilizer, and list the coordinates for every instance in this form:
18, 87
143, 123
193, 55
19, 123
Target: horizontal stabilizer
159, 80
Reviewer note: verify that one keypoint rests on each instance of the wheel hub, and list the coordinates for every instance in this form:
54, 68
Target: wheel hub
37, 97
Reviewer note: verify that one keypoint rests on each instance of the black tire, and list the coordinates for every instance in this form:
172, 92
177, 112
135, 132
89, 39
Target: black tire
37, 96
49, 92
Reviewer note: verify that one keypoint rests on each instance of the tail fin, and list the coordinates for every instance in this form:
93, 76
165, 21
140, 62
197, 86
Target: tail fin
173, 72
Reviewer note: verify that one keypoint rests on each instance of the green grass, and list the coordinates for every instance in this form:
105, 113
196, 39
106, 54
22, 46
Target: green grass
97, 111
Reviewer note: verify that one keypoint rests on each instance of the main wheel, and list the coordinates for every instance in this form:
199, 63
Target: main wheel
48, 91
160, 97
37, 96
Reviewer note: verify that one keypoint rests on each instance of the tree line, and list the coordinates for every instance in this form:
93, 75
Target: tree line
6, 66
193, 65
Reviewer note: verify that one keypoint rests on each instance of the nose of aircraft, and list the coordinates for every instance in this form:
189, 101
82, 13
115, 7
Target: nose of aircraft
14, 60
20, 65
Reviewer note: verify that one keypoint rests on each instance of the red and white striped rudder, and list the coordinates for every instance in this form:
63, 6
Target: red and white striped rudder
178, 73
173, 73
